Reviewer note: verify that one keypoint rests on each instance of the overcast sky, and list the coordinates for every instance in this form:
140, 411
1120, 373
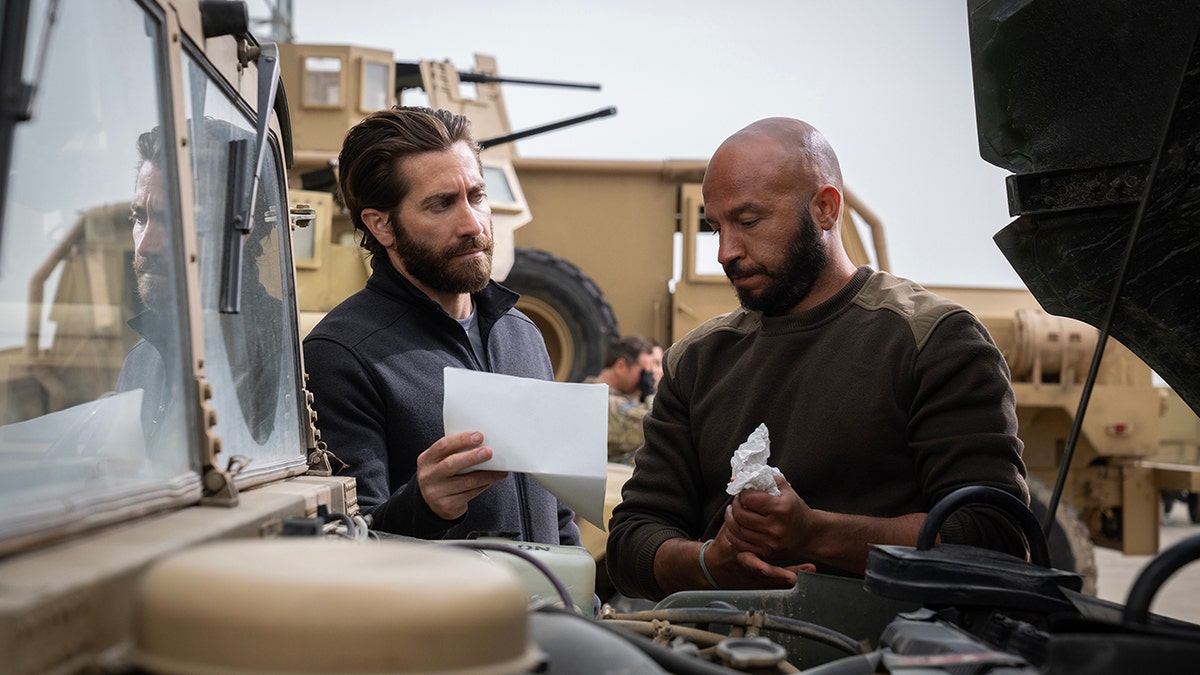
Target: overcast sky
887, 81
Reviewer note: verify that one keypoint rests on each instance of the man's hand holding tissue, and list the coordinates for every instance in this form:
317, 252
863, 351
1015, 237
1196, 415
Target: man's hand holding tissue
785, 529
771, 528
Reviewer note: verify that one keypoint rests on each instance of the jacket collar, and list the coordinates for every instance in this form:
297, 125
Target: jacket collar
491, 303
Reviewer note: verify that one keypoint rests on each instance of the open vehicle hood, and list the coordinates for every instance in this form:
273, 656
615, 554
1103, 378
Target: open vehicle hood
1088, 103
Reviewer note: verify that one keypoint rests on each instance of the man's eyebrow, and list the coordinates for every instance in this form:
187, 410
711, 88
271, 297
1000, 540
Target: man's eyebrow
734, 212
438, 197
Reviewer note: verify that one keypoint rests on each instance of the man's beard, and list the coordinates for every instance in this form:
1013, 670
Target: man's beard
155, 291
438, 270
806, 257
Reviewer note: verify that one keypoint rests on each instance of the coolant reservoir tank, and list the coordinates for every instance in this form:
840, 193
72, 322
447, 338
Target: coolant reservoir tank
330, 606
573, 565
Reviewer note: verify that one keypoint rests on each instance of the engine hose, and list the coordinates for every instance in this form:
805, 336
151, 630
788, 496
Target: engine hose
673, 662
735, 617
703, 638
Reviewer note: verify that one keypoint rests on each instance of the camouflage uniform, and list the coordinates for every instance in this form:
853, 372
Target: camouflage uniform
625, 413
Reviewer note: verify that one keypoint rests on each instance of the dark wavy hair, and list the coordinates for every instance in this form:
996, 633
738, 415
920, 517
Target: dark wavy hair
368, 176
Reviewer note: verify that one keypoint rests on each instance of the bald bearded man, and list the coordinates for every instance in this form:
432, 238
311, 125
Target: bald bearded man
879, 397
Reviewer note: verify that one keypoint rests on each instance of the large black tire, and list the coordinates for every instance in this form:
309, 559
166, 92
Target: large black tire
1070, 542
576, 321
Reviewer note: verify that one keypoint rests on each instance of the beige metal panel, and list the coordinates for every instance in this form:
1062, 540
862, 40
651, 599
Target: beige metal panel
188, 16
327, 272
1184, 477
1180, 431
318, 122
64, 606
989, 302
1140, 511
616, 227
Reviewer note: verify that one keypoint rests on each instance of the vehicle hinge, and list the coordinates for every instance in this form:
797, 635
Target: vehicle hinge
302, 215
318, 452
219, 489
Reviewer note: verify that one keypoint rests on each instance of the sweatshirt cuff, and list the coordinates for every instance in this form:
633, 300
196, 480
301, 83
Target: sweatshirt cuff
644, 562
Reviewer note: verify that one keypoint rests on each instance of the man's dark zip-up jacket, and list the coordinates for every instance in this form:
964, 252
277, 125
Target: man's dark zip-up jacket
375, 367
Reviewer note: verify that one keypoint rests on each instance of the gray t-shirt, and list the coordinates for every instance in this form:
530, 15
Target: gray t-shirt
471, 325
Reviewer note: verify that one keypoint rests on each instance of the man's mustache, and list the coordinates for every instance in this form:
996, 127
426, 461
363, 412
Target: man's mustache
472, 244
735, 269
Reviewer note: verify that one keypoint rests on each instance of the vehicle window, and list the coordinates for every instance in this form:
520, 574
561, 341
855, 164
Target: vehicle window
322, 81
705, 245
376, 86
93, 357
251, 356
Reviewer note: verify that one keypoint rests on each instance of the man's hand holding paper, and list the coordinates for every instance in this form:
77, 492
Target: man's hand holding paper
554, 431
447, 475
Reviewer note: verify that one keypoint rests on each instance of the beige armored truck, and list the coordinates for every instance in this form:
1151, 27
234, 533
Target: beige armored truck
601, 247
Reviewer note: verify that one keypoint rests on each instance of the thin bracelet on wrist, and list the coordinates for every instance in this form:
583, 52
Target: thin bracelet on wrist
704, 568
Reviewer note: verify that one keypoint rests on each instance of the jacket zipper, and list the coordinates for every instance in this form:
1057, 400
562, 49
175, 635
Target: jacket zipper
526, 526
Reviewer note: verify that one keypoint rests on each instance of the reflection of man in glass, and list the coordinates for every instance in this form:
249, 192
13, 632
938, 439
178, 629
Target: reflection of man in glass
149, 217
251, 338
149, 213
250, 342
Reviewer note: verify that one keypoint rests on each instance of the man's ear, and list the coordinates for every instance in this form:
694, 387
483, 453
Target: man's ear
827, 205
380, 226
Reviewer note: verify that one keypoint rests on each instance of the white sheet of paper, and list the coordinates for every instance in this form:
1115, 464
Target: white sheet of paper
557, 432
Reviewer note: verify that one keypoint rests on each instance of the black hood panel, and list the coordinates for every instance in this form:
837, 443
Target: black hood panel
1088, 102
1075, 83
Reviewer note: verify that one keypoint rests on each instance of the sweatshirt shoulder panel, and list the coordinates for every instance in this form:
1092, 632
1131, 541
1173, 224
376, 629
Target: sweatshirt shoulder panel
918, 307
740, 322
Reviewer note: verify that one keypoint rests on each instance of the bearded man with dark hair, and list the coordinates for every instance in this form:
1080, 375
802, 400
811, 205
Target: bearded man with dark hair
412, 181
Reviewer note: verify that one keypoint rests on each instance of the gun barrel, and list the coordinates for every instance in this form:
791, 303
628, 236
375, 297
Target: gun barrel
541, 129
481, 78
408, 76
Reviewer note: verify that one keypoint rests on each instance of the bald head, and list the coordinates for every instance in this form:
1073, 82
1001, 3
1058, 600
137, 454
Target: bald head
773, 193
796, 146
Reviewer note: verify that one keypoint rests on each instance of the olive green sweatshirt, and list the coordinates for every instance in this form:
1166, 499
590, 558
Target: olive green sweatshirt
878, 402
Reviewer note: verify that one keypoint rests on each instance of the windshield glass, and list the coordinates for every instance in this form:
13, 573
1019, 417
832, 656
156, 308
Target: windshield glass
250, 357
93, 361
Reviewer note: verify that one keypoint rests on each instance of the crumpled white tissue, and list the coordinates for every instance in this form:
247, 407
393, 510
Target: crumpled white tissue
749, 464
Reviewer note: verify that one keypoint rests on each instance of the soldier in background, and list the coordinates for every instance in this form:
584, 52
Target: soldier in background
629, 373
654, 364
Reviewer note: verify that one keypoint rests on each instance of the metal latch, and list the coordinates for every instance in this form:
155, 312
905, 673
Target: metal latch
302, 215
